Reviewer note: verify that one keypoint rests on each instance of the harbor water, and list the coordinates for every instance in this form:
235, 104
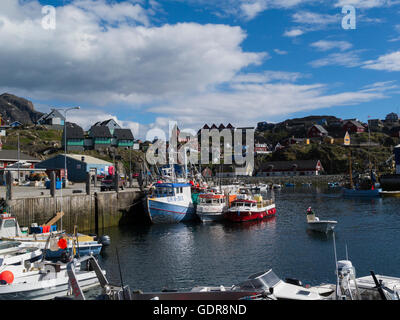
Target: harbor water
181, 256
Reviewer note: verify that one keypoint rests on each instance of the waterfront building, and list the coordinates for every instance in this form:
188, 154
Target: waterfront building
75, 137
291, 168
101, 137
111, 124
78, 166
53, 119
9, 162
122, 138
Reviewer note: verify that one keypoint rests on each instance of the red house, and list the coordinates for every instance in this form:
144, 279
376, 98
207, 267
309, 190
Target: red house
317, 131
353, 126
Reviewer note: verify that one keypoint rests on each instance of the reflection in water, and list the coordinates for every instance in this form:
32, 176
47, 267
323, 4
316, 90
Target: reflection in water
187, 254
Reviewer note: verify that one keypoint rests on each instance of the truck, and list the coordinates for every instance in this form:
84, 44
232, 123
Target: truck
107, 184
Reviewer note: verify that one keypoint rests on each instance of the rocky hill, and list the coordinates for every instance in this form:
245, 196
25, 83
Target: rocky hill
13, 108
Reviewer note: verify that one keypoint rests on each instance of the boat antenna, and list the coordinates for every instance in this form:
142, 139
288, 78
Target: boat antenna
347, 254
337, 271
119, 268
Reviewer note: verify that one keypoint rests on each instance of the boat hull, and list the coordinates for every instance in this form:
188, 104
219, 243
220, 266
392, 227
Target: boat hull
46, 290
243, 216
164, 213
211, 217
322, 226
362, 193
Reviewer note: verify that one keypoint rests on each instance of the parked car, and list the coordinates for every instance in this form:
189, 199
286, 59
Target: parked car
107, 183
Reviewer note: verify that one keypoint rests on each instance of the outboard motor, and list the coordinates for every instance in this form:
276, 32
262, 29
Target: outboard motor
105, 240
347, 274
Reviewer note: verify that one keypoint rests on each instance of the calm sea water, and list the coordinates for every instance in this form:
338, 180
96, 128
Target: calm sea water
185, 255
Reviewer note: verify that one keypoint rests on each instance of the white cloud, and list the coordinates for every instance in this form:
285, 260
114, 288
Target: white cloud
126, 63
293, 33
280, 52
325, 45
387, 62
366, 4
261, 100
252, 9
313, 18
346, 59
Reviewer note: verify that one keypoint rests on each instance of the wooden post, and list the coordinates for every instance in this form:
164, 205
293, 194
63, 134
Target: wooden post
116, 178
53, 184
96, 213
9, 194
95, 178
88, 177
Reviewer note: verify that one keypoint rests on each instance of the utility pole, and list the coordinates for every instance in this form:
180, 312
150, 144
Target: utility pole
19, 158
65, 110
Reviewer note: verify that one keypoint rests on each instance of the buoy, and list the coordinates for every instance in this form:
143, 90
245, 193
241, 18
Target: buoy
7, 276
62, 243
105, 240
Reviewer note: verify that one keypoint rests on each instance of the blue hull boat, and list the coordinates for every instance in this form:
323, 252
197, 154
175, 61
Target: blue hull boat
362, 193
161, 212
171, 203
94, 249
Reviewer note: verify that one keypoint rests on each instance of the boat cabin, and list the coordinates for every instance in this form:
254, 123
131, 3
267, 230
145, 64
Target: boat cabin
211, 199
163, 190
9, 226
244, 204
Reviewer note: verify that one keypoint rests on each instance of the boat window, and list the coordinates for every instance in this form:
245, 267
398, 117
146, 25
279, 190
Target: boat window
248, 205
9, 223
270, 278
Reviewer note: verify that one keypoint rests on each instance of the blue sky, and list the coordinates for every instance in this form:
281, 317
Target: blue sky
201, 61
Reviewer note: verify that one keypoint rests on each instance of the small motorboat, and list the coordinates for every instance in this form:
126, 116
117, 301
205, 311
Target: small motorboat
289, 185
42, 280
319, 225
363, 193
11, 253
395, 194
11, 231
276, 186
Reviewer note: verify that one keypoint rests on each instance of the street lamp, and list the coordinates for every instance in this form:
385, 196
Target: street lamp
65, 110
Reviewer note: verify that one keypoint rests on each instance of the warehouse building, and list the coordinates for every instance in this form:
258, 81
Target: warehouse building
78, 165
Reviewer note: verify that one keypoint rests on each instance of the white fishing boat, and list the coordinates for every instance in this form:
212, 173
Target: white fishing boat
319, 225
276, 186
11, 231
42, 280
11, 253
212, 206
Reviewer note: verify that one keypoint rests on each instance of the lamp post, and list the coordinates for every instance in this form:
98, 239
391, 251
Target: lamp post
65, 110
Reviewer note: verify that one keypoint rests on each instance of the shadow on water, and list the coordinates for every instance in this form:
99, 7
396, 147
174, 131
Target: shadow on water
321, 236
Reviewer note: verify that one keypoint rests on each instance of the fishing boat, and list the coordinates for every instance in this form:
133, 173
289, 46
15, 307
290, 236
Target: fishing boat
276, 186
12, 253
395, 194
212, 206
260, 188
319, 225
42, 280
11, 231
247, 207
170, 203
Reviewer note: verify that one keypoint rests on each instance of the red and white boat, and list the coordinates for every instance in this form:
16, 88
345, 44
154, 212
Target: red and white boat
248, 208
